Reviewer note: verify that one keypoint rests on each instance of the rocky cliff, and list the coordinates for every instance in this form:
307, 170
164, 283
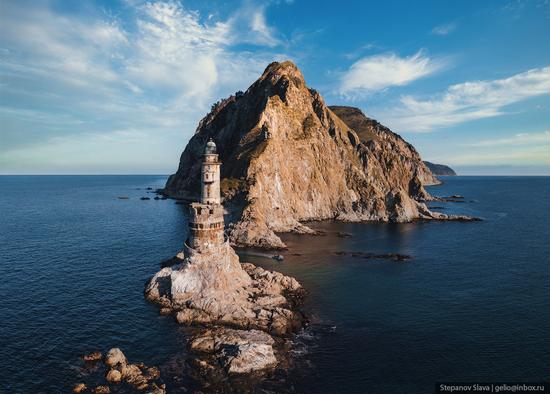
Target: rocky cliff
440, 169
395, 148
289, 158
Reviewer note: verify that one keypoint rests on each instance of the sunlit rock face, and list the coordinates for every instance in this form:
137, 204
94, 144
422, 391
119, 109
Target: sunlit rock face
215, 288
208, 284
288, 158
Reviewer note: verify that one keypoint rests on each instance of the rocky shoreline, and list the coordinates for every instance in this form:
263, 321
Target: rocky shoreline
113, 373
242, 313
215, 288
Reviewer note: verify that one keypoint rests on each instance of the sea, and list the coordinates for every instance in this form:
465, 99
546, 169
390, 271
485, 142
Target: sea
471, 304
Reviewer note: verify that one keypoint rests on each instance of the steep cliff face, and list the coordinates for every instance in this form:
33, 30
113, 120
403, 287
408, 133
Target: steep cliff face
288, 158
393, 147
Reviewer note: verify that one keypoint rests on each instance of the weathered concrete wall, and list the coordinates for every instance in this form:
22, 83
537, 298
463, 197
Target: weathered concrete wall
206, 226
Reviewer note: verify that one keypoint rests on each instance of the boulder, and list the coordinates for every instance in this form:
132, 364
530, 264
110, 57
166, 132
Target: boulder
248, 358
130, 372
113, 376
115, 357
79, 388
238, 351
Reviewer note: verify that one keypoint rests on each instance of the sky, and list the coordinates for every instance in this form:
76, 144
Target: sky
118, 87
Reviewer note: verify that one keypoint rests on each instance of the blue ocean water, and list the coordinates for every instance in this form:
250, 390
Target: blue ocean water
471, 304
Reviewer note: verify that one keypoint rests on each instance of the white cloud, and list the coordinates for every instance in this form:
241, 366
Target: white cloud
66, 80
468, 101
253, 27
443, 30
375, 73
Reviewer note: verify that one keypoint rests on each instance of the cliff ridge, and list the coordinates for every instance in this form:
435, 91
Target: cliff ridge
288, 158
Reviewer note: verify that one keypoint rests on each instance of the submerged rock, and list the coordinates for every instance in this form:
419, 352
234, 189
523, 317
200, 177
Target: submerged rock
93, 356
367, 255
79, 388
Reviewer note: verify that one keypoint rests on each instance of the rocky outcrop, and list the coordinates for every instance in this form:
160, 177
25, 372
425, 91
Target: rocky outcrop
237, 351
288, 158
117, 370
440, 169
213, 288
243, 305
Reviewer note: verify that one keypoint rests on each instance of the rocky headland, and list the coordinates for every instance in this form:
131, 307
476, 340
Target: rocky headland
440, 169
289, 158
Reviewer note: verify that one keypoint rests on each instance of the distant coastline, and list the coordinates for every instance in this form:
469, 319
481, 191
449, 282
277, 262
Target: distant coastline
440, 169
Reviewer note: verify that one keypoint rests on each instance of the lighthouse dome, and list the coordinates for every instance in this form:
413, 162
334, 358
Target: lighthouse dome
210, 147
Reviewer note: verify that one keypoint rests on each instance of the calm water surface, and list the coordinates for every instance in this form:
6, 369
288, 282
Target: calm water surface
472, 304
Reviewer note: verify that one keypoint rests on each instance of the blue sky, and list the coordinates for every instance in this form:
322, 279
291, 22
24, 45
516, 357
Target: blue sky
119, 86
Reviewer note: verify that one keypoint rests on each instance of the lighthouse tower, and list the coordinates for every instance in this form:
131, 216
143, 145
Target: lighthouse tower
206, 226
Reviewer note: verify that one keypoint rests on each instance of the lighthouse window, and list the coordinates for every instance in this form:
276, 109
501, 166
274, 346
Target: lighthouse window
206, 176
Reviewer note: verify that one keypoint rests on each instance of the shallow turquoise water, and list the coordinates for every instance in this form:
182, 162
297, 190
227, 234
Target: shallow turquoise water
471, 304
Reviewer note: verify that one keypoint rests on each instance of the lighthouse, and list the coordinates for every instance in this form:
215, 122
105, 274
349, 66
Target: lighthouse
206, 226
210, 175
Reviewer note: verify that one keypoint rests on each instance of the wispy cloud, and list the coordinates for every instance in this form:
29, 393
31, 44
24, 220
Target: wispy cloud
443, 30
90, 74
360, 51
530, 155
521, 149
516, 140
378, 72
468, 101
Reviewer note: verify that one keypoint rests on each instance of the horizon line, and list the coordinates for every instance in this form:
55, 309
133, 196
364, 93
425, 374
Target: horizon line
142, 174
